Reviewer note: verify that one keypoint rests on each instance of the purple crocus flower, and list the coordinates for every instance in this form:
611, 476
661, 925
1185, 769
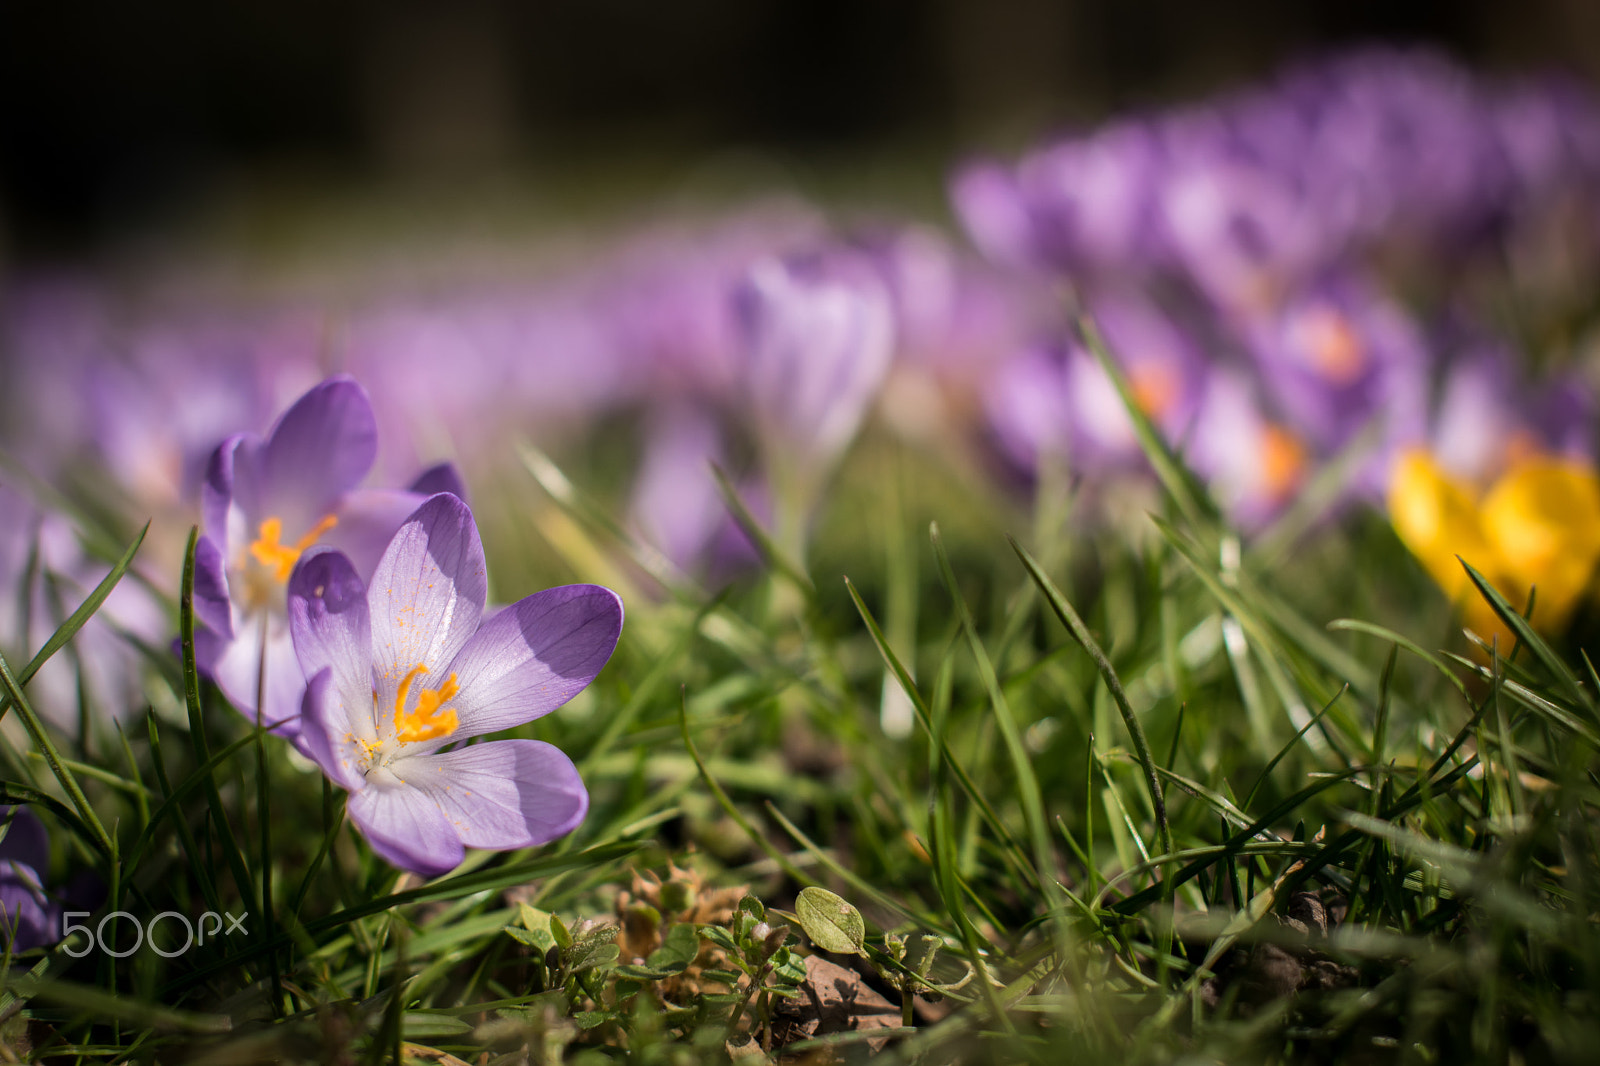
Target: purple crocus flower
819, 334
265, 501
404, 667
1339, 356
1487, 419
675, 502
1252, 464
1062, 401
31, 918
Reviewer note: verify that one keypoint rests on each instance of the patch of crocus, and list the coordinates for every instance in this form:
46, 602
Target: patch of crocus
1164, 369
1339, 357
1059, 399
1251, 462
266, 501
818, 337
404, 669
1535, 528
1486, 419
676, 506
31, 919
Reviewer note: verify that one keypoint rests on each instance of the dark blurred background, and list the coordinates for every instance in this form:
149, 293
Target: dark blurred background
117, 117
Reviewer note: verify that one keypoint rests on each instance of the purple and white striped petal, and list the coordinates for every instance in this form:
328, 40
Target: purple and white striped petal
332, 630
328, 731
406, 827
503, 794
427, 593
533, 656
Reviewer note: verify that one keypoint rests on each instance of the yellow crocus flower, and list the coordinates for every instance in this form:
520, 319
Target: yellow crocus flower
1537, 527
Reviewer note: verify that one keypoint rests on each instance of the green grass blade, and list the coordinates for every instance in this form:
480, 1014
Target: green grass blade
197, 732
1080, 632
62, 772
75, 621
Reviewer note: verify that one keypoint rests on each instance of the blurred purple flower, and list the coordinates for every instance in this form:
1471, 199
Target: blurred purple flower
1063, 402
1338, 356
818, 335
31, 918
675, 501
402, 668
1251, 464
44, 575
1486, 419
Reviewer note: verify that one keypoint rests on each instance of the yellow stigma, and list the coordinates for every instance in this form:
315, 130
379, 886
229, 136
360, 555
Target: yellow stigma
430, 720
282, 557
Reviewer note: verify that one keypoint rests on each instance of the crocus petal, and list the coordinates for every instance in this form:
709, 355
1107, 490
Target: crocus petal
242, 511
217, 489
211, 588
26, 840
28, 918
533, 656
332, 630
504, 794
368, 519
406, 828
236, 671
441, 477
320, 449
327, 735
427, 593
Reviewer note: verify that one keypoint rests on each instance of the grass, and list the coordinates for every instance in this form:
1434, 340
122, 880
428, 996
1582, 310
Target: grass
1166, 796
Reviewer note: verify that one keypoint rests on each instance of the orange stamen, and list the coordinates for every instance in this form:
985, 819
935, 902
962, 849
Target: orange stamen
1283, 461
1154, 389
431, 720
1337, 351
281, 557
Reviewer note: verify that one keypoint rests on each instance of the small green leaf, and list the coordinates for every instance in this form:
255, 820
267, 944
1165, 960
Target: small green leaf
538, 939
788, 967
721, 938
533, 919
558, 930
831, 923
678, 949
597, 947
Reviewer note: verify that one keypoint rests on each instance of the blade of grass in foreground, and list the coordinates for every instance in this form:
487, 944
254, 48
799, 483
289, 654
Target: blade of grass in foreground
1533, 642
75, 621
1027, 783
1141, 746
63, 774
197, 733
1180, 484
941, 751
